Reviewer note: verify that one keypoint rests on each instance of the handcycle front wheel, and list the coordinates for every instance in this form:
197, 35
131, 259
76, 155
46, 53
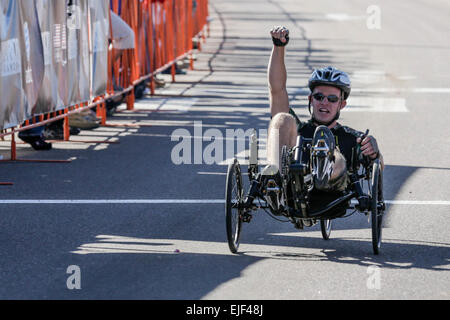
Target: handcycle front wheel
234, 198
325, 227
377, 209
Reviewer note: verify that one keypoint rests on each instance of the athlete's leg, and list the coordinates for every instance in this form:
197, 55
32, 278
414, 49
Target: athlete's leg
338, 180
328, 165
282, 131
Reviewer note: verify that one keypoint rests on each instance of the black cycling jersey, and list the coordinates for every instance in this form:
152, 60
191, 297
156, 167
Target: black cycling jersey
345, 136
346, 142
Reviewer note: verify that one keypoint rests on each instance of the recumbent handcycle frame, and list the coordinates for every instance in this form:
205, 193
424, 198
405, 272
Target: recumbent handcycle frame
293, 198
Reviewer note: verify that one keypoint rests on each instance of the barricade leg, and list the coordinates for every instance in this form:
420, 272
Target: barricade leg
173, 71
14, 153
130, 100
66, 129
152, 85
103, 115
191, 62
13, 146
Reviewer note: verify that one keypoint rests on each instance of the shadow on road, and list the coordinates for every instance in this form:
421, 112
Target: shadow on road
174, 251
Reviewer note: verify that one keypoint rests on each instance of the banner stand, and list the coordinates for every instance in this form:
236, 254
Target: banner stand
133, 72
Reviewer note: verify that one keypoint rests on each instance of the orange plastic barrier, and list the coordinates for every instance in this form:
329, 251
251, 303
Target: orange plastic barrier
164, 32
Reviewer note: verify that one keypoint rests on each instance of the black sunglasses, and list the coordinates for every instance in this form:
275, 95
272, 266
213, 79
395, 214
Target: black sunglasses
331, 98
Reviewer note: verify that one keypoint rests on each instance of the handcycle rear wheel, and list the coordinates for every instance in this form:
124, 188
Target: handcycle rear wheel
325, 227
376, 208
234, 198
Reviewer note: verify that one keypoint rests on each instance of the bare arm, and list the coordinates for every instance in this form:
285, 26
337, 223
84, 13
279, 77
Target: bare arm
277, 75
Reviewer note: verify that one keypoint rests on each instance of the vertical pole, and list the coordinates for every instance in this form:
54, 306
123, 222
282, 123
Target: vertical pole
152, 85
173, 71
191, 60
103, 107
99, 111
13, 146
130, 100
66, 127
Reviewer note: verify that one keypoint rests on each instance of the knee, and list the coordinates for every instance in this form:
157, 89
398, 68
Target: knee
283, 121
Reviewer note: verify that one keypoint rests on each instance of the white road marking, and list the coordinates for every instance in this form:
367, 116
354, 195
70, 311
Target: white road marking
431, 90
368, 76
114, 201
416, 202
217, 173
243, 158
343, 17
188, 201
375, 104
212, 173
401, 90
356, 104
167, 104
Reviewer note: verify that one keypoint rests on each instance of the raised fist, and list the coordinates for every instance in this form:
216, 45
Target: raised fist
280, 36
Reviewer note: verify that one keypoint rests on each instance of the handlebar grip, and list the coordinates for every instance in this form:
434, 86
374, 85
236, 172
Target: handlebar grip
358, 146
365, 135
364, 159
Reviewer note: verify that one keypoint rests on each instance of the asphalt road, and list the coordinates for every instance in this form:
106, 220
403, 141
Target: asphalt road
135, 239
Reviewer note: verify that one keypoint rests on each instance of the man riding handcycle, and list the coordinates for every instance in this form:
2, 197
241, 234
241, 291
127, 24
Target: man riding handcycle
315, 168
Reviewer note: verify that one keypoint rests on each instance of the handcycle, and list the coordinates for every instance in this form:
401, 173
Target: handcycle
294, 198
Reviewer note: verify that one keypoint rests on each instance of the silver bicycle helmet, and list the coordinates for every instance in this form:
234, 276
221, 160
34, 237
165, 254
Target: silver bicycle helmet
332, 77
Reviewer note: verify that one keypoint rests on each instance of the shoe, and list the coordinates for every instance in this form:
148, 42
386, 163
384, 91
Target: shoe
322, 156
110, 111
55, 133
40, 144
37, 142
111, 107
159, 82
52, 133
139, 90
84, 120
183, 64
26, 138
177, 71
74, 131
147, 91
271, 182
